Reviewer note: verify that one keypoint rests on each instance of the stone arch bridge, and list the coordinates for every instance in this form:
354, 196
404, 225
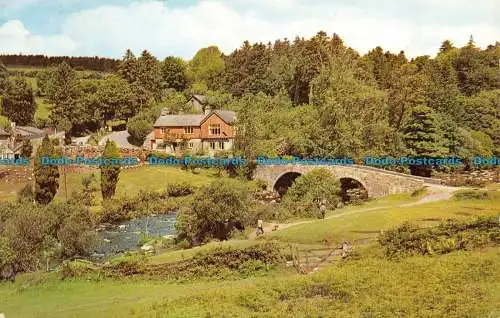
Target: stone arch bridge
377, 182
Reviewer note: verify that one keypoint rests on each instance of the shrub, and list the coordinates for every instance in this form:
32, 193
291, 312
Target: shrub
113, 211
471, 195
77, 268
179, 189
303, 197
215, 211
451, 235
261, 184
218, 263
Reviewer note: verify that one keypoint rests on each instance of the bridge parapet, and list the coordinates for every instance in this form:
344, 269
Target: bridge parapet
377, 182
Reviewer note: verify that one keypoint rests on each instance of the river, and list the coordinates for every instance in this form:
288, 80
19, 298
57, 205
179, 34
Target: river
125, 236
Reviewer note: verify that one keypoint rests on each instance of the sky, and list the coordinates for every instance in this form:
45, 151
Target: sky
181, 27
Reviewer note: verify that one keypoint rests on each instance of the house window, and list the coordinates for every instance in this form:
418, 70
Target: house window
221, 145
212, 145
190, 145
188, 130
163, 130
214, 129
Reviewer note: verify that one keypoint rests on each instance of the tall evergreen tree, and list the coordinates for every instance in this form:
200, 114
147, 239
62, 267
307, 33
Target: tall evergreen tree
18, 104
46, 177
127, 68
109, 173
174, 73
149, 74
423, 138
64, 93
4, 75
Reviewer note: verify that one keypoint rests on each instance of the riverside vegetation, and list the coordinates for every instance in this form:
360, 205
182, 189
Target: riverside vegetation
459, 258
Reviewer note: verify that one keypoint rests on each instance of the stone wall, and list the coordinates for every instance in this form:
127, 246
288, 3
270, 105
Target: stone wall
377, 182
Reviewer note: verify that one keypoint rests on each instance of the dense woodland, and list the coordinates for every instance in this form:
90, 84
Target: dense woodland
78, 62
307, 97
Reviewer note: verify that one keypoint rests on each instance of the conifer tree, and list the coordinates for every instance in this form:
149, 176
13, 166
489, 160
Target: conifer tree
4, 75
46, 177
109, 172
18, 104
423, 138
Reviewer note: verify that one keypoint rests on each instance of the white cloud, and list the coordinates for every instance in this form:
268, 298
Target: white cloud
15, 38
417, 27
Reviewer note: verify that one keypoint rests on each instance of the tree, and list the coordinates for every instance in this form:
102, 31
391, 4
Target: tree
114, 98
139, 128
4, 76
446, 47
308, 190
353, 115
174, 73
46, 177
18, 104
482, 113
205, 67
423, 138
110, 172
64, 92
127, 68
407, 90
215, 211
26, 149
149, 74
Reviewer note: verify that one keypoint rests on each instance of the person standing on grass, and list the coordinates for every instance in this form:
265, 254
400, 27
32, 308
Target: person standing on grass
322, 208
260, 226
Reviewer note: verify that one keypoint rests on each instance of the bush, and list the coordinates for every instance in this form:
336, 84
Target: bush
77, 268
407, 239
113, 210
471, 195
139, 129
219, 263
308, 190
179, 189
216, 209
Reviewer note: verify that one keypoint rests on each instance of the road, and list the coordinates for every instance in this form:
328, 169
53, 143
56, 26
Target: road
120, 138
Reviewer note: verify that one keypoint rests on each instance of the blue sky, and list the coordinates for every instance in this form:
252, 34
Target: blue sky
181, 27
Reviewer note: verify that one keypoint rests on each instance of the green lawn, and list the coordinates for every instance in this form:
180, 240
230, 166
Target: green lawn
42, 109
148, 178
460, 284
360, 224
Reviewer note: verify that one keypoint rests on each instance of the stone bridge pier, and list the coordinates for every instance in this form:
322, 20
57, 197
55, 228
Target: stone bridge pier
377, 182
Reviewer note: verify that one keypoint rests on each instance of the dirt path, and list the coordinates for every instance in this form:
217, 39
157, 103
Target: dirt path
435, 193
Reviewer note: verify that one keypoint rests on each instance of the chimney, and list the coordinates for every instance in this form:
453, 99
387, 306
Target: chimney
13, 126
208, 109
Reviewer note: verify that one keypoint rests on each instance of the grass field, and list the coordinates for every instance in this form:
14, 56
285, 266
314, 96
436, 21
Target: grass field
148, 178
367, 224
461, 284
458, 284
42, 109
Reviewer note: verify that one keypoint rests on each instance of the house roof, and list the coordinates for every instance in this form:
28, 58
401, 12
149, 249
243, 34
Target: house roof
227, 115
200, 98
29, 131
193, 120
3, 132
178, 120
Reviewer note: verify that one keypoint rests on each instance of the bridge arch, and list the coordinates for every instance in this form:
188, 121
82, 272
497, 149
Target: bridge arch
347, 186
285, 181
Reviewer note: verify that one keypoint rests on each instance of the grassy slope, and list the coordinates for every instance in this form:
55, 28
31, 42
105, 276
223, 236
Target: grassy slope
454, 285
148, 178
367, 224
